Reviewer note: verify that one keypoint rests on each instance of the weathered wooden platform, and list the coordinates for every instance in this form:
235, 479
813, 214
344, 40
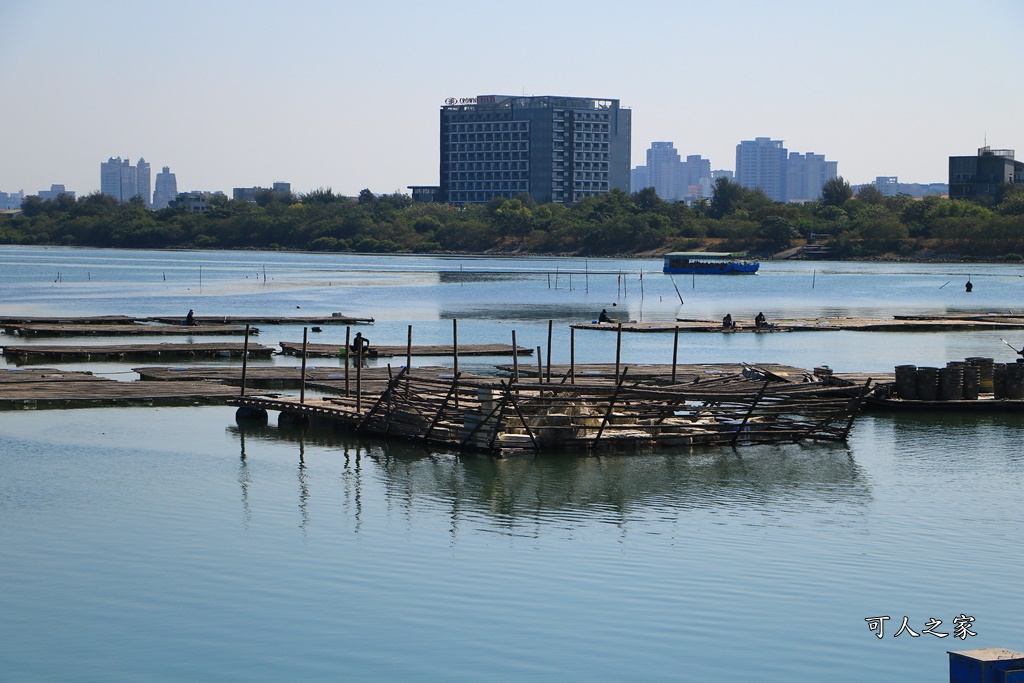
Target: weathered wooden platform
121, 330
133, 351
335, 350
51, 389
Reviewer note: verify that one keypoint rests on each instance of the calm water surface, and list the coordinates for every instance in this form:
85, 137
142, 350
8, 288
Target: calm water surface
168, 544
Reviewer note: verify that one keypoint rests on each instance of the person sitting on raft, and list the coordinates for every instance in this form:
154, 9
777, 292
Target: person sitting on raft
360, 344
727, 323
603, 318
760, 322
190, 319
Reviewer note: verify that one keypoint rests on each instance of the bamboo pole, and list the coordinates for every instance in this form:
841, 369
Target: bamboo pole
572, 355
540, 367
302, 386
347, 350
515, 358
245, 358
359, 380
455, 355
550, 327
675, 354
618, 350
408, 349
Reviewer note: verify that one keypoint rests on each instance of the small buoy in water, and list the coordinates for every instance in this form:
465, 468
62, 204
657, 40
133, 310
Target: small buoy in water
298, 307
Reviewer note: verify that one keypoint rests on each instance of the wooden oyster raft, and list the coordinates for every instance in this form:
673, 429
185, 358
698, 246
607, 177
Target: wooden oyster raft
504, 417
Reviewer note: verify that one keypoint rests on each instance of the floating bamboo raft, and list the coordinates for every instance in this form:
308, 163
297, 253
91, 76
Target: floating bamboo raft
136, 351
279, 377
336, 350
896, 324
121, 330
503, 417
333, 319
49, 388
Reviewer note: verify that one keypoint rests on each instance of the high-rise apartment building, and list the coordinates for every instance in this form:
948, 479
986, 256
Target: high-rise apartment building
165, 190
556, 149
806, 174
672, 178
122, 181
761, 163
665, 171
143, 182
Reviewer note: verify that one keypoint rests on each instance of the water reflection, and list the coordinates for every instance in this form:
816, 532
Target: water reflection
571, 489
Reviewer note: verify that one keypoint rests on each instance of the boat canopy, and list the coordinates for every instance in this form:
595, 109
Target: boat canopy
707, 255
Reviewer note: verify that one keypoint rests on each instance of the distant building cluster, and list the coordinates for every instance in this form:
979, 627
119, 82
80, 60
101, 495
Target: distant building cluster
671, 177
890, 186
249, 194
122, 181
11, 201
564, 149
760, 163
783, 176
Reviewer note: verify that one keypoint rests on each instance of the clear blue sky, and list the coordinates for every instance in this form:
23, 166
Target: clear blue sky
346, 95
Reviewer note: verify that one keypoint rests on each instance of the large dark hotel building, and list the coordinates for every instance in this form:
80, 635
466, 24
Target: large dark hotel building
556, 149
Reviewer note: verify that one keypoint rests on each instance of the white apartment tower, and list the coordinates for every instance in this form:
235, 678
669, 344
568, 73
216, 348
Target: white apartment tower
166, 189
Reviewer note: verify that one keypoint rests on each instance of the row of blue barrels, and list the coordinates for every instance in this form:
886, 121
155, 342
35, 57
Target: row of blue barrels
960, 380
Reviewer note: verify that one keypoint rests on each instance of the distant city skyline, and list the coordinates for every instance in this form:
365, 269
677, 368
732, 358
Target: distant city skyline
348, 97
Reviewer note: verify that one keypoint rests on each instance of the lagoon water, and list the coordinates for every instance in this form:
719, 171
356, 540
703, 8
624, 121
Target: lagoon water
166, 544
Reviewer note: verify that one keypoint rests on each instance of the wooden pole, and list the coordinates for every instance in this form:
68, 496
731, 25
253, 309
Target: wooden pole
347, 350
540, 368
245, 357
302, 387
572, 355
618, 350
550, 326
675, 354
515, 358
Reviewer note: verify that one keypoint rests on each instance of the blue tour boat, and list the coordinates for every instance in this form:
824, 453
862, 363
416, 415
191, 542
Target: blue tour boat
707, 263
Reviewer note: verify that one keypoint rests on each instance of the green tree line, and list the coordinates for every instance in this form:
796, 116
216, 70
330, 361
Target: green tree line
735, 218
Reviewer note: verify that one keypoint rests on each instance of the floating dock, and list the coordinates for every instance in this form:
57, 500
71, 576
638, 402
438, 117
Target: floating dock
333, 319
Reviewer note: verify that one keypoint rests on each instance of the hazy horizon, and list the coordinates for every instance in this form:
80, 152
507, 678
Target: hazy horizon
346, 95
